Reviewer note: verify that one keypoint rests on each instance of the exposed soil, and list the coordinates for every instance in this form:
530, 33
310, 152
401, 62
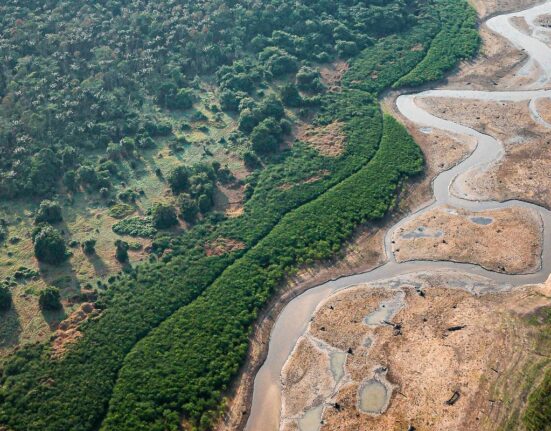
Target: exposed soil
332, 75
523, 172
499, 65
68, 330
229, 200
312, 179
222, 246
487, 8
449, 341
543, 106
508, 240
329, 140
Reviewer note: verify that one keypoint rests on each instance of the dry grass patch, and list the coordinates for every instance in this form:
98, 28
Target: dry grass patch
329, 140
221, 246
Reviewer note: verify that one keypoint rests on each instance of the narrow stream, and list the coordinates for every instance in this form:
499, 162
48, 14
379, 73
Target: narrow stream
293, 320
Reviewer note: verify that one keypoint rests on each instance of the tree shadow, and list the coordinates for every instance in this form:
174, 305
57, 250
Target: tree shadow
100, 267
10, 328
54, 317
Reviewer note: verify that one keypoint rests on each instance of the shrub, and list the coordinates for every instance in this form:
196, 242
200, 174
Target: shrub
121, 210
163, 216
188, 207
135, 226
48, 212
49, 298
49, 245
178, 179
89, 246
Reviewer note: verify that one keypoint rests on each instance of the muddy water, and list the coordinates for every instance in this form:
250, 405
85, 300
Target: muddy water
373, 397
293, 320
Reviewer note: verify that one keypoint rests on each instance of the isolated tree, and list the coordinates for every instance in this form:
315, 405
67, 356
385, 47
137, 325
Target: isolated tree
49, 245
49, 298
121, 251
89, 246
48, 212
163, 216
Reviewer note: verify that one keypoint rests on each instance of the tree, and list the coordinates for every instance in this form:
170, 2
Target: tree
44, 172
178, 179
89, 246
49, 245
251, 160
248, 119
48, 212
163, 216
266, 137
271, 106
121, 251
204, 203
308, 79
49, 298
5, 298
188, 207
290, 95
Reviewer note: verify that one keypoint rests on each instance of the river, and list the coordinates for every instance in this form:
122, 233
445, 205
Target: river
294, 318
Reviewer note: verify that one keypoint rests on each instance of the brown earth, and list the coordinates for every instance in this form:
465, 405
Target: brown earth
221, 246
543, 106
329, 140
512, 242
312, 179
229, 200
332, 75
68, 330
523, 172
487, 8
490, 343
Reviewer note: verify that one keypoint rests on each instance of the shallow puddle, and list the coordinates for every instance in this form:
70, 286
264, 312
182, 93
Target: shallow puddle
373, 397
482, 220
311, 421
386, 311
337, 365
421, 232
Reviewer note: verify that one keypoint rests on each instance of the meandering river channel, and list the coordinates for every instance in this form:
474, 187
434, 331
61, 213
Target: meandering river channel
294, 318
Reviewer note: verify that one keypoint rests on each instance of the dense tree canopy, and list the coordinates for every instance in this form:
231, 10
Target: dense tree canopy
76, 76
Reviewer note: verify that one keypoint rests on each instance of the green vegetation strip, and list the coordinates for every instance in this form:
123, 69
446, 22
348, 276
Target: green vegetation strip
186, 363
210, 326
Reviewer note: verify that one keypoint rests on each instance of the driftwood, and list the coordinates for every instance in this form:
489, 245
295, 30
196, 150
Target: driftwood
453, 399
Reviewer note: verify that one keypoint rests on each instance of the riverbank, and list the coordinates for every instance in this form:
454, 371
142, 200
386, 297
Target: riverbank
441, 191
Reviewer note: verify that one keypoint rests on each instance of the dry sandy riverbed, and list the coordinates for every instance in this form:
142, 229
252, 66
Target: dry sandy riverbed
508, 240
523, 172
452, 335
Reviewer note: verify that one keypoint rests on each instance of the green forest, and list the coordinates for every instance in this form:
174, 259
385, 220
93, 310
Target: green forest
147, 111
